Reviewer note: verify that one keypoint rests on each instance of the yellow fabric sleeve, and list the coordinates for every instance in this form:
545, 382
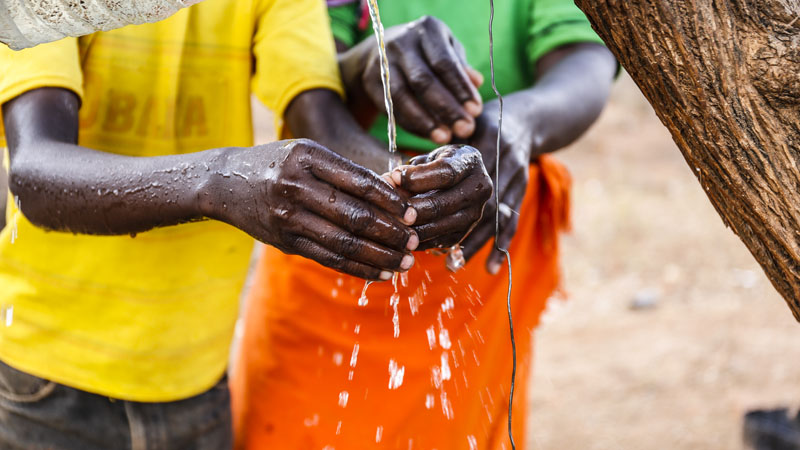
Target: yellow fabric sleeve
56, 64
294, 52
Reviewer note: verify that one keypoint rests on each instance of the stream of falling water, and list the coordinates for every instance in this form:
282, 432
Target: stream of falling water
455, 259
377, 27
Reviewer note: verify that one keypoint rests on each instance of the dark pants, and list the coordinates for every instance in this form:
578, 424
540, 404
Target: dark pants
39, 414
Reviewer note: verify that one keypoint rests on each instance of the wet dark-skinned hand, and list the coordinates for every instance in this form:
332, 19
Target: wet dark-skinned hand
433, 88
448, 189
516, 148
305, 199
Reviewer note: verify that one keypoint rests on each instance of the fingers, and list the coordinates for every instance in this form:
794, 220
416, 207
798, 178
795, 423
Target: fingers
309, 249
432, 89
348, 245
355, 180
438, 47
457, 224
447, 167
438, 204
356, 216
408, 111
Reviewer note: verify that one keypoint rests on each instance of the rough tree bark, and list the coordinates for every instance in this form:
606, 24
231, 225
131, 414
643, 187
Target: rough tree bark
724, 77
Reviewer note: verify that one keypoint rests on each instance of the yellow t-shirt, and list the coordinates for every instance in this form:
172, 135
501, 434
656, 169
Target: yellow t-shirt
150, 318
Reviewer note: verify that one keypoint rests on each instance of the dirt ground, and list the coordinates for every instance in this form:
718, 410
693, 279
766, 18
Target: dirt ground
717, 339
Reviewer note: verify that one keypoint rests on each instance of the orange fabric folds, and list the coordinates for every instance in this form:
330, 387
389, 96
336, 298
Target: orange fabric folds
424, 367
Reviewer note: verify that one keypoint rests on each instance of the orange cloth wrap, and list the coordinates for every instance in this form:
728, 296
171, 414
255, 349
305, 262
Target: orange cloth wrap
300, 382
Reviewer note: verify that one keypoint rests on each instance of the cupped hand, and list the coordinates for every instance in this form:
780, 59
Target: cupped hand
515, 154
433, 88
448, 189
305, 199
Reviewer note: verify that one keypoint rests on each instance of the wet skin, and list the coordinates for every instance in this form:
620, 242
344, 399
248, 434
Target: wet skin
447, 189
296, 195
432, 86
572, 87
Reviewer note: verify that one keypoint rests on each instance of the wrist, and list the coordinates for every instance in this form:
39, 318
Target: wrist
212, 191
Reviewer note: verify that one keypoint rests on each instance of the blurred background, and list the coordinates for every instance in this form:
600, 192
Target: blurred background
671, 332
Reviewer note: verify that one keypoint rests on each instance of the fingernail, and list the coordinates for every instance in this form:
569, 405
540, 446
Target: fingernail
494, 268
440, 135
385, 275
413, 242
473, 108
407, 262
463, 128
397, 177
388, 178
410, 217
477, 77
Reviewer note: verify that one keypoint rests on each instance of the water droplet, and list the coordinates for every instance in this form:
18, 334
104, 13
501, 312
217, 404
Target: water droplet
444, 339
430, 401
332, 198
378, 434
473, 443
396, 373
339, 428
362, 301
445, 367
354, 356
334, 293
431, 337
272, 165
394, 301
343, 397
311, 421
337, 358
447, 407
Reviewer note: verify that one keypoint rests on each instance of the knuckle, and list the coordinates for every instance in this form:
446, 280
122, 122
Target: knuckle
348, 245
444, 64
419, 78
358, 219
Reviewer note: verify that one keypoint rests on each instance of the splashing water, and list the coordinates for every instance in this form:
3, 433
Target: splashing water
396, 373
445, 371
363, 300
444, 339
431, 337
354, 356
394, 301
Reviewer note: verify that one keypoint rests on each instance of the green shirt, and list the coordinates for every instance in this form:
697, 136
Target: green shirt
524, 31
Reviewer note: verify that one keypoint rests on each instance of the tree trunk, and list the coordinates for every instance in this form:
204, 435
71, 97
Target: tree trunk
724, 77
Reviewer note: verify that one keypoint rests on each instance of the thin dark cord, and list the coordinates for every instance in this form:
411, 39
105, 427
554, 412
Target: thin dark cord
497, 227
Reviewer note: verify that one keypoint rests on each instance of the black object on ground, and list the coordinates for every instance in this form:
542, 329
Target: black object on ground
772, 430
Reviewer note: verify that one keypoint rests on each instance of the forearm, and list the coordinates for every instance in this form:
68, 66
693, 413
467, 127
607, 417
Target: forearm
568, 97
322, 116
63, 186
